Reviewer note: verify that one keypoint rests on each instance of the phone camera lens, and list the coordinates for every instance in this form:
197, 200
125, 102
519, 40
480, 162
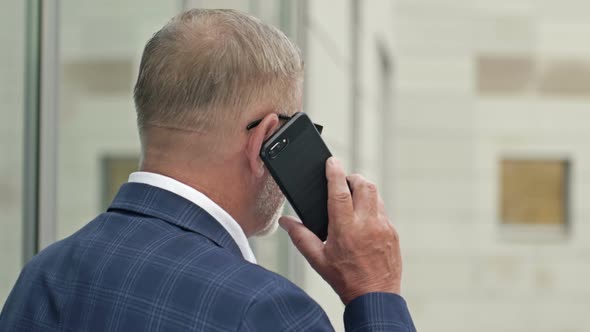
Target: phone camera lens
276, 148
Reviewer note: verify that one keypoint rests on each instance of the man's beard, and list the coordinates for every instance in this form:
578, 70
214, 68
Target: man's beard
269, 207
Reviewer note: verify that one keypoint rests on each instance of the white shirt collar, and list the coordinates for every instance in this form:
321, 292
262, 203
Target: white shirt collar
193, 195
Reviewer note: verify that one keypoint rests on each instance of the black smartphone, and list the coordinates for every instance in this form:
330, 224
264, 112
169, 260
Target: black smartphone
296, 158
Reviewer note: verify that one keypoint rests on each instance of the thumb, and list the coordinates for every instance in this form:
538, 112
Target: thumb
310, 246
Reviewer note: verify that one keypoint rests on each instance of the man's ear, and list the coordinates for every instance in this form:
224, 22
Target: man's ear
258, 135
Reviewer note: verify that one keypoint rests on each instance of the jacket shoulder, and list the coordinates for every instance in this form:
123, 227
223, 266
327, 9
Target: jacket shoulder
276, 304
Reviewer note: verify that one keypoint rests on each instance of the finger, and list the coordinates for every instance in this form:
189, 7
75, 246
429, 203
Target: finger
340, 206
365, 198
310, 246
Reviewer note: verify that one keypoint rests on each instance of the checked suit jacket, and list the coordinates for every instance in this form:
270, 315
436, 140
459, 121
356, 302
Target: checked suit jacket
155, 261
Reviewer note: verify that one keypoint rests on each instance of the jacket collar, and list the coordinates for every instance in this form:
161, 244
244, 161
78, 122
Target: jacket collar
170, 207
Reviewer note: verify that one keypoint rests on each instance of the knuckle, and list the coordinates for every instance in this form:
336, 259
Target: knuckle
384, 229
394, 234
371, 187
366, 185
354, 179
341, 197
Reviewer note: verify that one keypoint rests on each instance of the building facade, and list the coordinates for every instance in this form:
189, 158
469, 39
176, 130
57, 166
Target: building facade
471, 116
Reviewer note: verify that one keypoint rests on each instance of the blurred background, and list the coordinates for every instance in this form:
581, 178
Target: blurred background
472, 116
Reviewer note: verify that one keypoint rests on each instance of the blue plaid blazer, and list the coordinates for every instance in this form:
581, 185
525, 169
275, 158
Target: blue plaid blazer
157, 262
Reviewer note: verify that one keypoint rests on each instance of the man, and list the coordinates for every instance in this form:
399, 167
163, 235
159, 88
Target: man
171, 252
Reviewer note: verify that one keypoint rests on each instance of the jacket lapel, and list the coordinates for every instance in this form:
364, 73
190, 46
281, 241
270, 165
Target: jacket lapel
162, 204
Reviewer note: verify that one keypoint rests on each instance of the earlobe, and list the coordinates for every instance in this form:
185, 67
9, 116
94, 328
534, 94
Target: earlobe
260, 172
256, 163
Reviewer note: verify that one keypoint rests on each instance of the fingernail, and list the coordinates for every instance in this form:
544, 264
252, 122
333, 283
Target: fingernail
332, 161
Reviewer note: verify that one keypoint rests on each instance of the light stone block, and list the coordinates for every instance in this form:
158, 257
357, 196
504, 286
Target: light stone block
436, 112
327, 93
419, 36
444, 75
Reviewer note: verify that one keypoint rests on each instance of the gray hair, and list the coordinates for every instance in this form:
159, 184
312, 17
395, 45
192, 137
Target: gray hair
203, 61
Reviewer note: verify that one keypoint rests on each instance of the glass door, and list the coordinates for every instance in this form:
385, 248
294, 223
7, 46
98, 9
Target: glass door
14, 237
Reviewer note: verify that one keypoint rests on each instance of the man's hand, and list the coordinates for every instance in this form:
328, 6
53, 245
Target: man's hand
361, 254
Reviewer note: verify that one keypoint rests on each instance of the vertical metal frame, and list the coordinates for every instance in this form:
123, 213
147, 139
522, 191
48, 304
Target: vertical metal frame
355, 84
48, 123
387, 94
31, 130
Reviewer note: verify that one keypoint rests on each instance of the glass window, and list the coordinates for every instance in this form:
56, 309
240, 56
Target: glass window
100, 45
535, 199
12, 83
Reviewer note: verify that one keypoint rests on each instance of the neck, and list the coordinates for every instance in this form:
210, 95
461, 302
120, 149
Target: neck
218, 178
